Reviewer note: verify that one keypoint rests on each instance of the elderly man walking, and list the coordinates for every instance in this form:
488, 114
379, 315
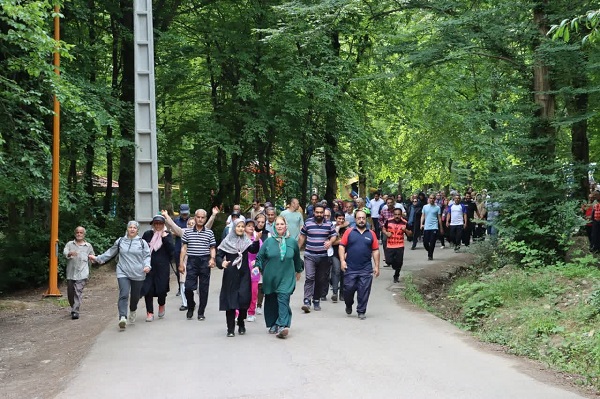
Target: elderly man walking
199, 245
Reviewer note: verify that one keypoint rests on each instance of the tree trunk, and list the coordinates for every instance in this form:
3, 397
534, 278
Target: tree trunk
89, 151
362, 179
126, 199
577, 105
330, 167
108, 195
542, 130
168, 201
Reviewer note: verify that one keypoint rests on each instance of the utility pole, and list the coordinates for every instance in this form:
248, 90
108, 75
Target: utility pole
53, 271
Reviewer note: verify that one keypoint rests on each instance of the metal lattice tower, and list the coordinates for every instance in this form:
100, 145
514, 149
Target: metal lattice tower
146, 161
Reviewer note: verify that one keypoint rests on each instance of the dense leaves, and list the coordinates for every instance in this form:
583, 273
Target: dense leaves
270, 99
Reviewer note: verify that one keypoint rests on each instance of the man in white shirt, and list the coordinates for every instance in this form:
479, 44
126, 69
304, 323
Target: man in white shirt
375, 206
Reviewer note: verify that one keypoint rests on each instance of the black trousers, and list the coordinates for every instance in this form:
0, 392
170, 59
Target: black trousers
197, 277
230, 317
395, 258
429, 238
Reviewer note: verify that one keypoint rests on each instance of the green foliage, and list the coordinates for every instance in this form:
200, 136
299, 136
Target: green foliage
548, 313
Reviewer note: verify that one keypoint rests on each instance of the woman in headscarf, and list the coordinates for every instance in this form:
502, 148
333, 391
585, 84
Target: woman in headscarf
236, 293
132, 267
157, 281
280, 264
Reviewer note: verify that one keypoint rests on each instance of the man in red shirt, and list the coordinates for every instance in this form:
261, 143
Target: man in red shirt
395, 229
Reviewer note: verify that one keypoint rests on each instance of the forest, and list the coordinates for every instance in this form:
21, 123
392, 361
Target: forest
276, 99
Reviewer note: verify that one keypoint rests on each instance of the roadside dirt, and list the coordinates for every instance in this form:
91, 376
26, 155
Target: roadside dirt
39, 343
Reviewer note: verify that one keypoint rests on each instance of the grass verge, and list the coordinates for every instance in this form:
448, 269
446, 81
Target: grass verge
550, 314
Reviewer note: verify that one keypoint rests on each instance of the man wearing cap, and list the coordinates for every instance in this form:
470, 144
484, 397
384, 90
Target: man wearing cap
181, 221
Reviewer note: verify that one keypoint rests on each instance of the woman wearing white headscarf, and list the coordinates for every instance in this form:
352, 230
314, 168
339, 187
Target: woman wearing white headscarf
132, 267
279, 262
236, 292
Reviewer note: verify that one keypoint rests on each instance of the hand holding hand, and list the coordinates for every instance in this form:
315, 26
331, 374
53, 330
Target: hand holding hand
92, 258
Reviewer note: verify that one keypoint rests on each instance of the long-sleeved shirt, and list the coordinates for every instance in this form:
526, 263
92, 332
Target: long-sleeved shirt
78, 265
134, 256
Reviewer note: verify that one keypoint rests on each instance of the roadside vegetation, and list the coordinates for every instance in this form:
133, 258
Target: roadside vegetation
550, 314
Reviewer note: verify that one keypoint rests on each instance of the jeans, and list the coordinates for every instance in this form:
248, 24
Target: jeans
128, 290
197, 276
336, 272
429, 238
316, 276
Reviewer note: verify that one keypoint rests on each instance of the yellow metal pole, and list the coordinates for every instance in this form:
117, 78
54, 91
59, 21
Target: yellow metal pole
53, 272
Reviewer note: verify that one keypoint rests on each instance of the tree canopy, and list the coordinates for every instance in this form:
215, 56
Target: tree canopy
274, 99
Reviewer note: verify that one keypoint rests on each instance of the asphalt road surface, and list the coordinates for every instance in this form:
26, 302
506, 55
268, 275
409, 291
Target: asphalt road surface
397, 352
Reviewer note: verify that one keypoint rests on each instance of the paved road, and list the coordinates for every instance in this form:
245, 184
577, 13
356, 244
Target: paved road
398, 352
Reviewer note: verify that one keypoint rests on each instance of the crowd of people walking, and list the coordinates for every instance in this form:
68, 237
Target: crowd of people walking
259, 254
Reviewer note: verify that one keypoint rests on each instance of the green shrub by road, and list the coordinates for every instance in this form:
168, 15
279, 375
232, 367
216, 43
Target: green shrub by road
551, 314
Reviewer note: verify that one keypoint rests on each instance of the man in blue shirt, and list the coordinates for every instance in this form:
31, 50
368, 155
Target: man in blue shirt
431, 221
357, 247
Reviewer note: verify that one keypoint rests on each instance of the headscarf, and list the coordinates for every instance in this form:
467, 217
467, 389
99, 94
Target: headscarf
156, 241
281, 239
234, 244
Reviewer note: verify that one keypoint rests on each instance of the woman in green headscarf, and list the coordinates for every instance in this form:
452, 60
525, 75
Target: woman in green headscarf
280, 264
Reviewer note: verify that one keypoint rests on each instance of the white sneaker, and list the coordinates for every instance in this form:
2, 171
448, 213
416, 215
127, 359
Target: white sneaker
250, 318
132, 316
258, 310
122, 322
443, 246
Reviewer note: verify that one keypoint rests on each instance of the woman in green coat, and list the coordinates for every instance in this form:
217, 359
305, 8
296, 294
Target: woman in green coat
279, 262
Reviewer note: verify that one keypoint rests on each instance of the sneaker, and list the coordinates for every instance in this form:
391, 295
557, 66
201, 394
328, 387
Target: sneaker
230, 334
74, 315
122, 322
258, 310
362, 316
250, 319
190, 313
283, 332
430, 258
334, 298
324, 298
396, 279
149, 317
443, 246
413, 248
306, 306
182, 308
161, 311
317, 306
132, 316
386, 265
242, 330
348, 310
201, 317
273, 329
178, 292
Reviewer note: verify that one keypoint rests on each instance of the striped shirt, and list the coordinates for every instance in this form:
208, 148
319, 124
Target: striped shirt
198, 242
316, 235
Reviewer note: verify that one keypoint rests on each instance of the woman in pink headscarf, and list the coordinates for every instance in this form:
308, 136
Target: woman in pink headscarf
157, 280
